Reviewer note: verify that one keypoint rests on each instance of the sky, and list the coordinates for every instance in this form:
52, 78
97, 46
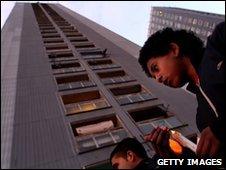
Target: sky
129, 19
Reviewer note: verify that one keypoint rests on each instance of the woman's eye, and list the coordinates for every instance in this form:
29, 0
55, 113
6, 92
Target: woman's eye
154, 68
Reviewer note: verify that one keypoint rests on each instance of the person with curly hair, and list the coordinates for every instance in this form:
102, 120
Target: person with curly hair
177, 57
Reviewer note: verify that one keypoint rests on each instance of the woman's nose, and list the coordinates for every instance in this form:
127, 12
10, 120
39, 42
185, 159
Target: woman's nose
158, 78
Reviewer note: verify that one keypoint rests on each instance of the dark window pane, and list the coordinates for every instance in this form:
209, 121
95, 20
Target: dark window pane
135, 98
123, 100
107, 81
104, 140
160, 123
75, 85
174, 122
146, 128
127, 78
147, 96
86, 144
87, 83
101, 104
119, 134
118, 79
72, 108
63, 87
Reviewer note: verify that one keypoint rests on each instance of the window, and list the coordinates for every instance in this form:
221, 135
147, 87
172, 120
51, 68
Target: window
112, 77
83, 102
190, 20
180, 18
212, 26
78, 39
52, 40
203, 32
192, 28
97, 133
95, 126
206, 24
91, 51
65, 27
131, 94
83, 44
73, 82
62, 23
59, 46
74, 34
52, 35
200, 22
48, 31
66, 67
45, 28
170, 122
58, 55
198, 31
195, 21
102, 64
148, 113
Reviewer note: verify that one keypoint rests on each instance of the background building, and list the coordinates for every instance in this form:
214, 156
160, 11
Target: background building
72, 89
202, 23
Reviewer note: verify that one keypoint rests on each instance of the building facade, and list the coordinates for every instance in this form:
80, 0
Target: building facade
71, 90
202, 23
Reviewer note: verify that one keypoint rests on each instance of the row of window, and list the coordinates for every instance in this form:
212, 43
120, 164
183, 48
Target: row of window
176, 25
184, 19
86, 106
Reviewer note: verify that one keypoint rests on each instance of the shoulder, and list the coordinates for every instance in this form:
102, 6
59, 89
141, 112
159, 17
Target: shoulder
216, 42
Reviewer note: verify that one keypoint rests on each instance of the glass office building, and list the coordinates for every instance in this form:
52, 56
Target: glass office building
202, 23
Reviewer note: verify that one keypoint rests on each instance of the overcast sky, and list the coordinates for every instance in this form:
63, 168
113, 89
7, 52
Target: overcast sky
129, 19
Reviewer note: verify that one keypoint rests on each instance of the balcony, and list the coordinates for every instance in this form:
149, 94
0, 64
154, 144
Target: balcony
98, 133
52, 40
83, 102
131, 94
102, 64
114, 77
66, 67
74, 82
55, 47
148, 113
83, 44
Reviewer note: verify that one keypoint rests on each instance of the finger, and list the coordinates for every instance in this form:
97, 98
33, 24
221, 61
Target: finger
160, 137
200, 144
214, 149
155, 135
205, 148
165, 142
149, 136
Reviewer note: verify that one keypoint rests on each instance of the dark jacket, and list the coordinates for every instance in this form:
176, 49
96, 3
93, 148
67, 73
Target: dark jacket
146, 163
211, 73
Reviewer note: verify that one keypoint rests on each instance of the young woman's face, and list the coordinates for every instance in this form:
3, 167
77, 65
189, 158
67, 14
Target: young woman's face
168, 69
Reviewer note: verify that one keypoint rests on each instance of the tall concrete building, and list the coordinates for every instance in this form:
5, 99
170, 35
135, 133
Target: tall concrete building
72, 89
202, 23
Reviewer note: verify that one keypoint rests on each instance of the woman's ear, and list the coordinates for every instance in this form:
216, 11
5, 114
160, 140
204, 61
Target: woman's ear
175, 49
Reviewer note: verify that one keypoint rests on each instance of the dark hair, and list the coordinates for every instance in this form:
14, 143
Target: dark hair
129, 144
158, 44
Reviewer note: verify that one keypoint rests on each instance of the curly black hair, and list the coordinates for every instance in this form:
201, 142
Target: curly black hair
158, 44
127, 144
